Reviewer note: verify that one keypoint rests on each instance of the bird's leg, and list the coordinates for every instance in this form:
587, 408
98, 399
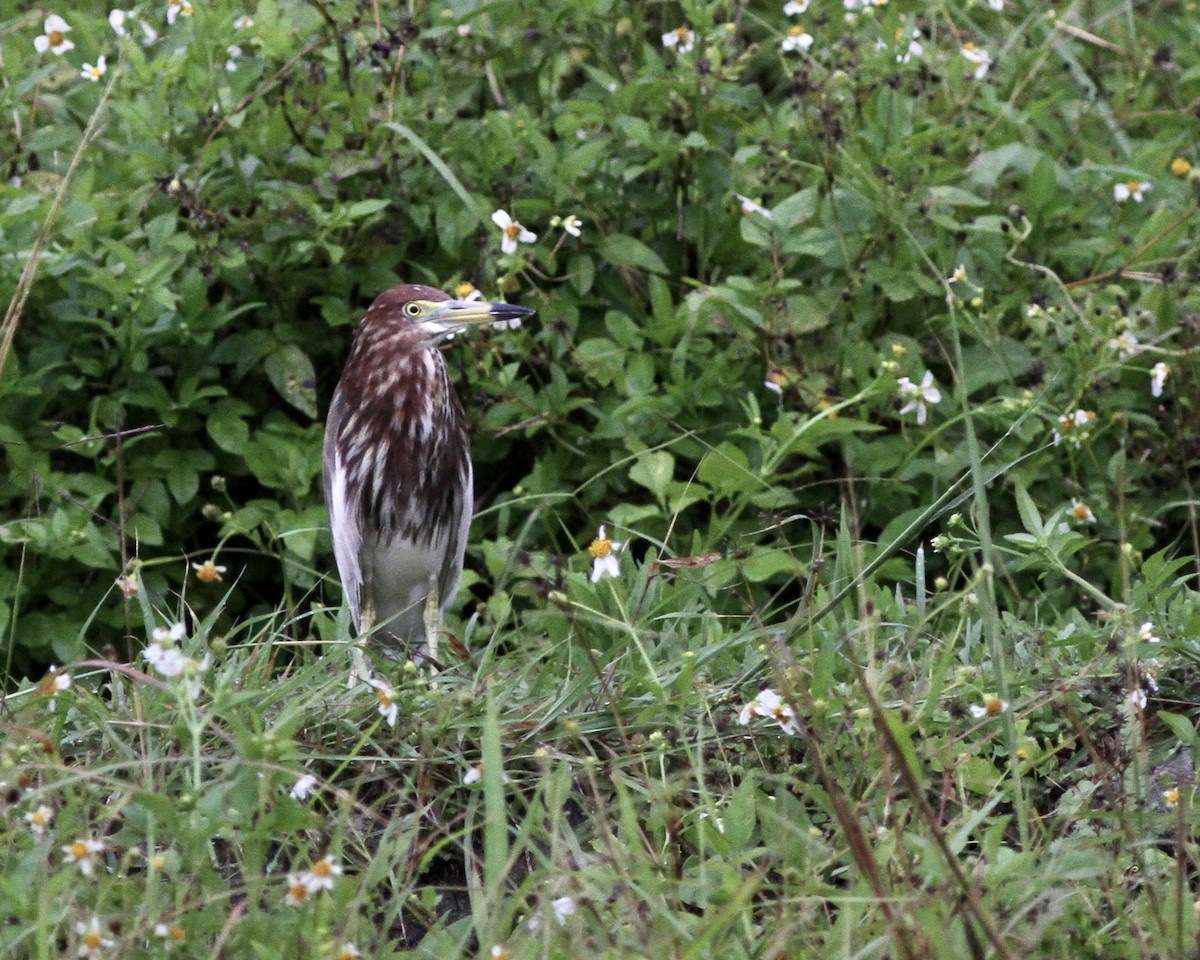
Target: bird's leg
433, 621
360, 670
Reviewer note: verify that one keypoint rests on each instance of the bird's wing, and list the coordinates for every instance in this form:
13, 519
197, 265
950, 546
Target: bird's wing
343, 520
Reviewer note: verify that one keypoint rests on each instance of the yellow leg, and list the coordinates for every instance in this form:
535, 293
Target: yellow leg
360, 670
433, 622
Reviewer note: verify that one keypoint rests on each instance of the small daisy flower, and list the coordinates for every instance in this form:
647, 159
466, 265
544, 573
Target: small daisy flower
795, 7
39, 820
234, 53
388, 708
321, 876
959, 274
979, 57
170, 934
1131, 190
1180, 167
128, 586
1158, 377
992, 706
752, 206
474, 775
1081, 512
681, 39
513, 232
95, 71
1146, 633
347, 951
466, 291
116, 20
83, 852
797, 39
92, 941
926, 392
914, 46
1068, 424
564, 907
55, 38
604, 557
768, 704
243, 22
168, 636
178, 8
573, 225
208, 572
53, 683
167, 661
297, 890
303, 787
1171, 797
996, 4
500, 952
1125, 343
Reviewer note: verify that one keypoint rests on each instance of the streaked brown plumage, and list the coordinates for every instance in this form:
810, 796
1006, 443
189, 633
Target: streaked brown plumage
397, 466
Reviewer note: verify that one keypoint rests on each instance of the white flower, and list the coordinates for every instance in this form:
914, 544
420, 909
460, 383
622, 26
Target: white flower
166, 636
795, 7
243, 22
604, 557
563, 908
992, 706
959, 274
474, 775
297, 890
168, 661
1145, 634
681, 38
1081, 512
234, 52
1136, 699
914, 46
923, 393
513, 232
91, 938
1125, 343
84, 853
1134, 189
303, 787
1158, 377
128, 586
388, 708
53, 683
116, 20
776, 388
320, 877
54, 39
768, 704
178, 8
797, 39
996, 4
572, 225
751, 206
39, 820
94, 73
979, 57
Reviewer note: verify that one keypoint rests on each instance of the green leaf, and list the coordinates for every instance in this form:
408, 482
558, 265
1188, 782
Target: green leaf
291, 373
1030, 518
654, 471
622, 250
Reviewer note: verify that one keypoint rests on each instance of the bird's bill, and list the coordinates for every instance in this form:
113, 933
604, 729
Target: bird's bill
453, 315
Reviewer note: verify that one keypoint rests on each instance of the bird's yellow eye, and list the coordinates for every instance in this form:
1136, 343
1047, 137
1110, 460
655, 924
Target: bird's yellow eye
412, 309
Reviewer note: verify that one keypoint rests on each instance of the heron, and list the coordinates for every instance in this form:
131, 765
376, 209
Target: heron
397, 468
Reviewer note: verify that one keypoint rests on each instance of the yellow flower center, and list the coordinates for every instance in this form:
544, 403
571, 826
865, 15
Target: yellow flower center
899, 35
1180, 167
92, 940
969, 47
323, 868
600, 547
177, 934
385, 697
682, 33
465, 289
1172, 797
797, 31
48, 687
208, 572
38, 819
1080, 511
298, 891
513, 231
1133, 186
79, 850
994, 706
55, 37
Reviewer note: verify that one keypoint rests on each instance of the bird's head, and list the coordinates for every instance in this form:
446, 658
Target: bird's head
437, 315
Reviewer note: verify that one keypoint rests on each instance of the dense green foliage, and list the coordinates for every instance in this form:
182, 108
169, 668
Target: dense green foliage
874, 355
